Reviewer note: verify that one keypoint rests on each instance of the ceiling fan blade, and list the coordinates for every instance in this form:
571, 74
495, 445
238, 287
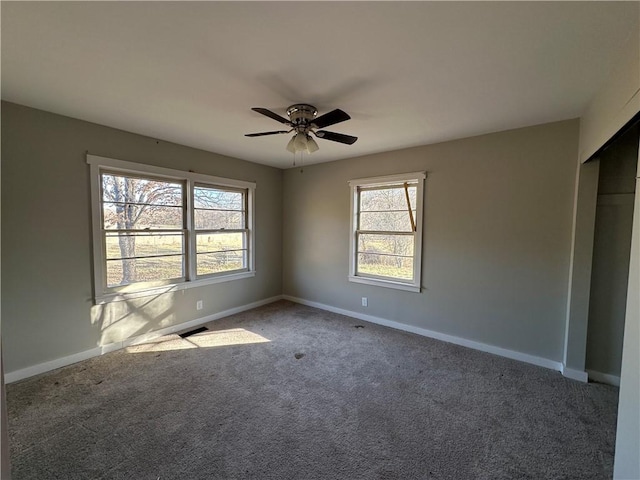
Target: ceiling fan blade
336, 137
271, 114
331, 118
262, 134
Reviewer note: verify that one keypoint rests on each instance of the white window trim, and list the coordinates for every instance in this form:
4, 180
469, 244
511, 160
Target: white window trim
417, 177
101, 296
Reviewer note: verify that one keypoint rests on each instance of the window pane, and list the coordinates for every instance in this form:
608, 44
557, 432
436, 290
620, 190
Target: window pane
387, 199
130, 203
209, 197
124, 272
385, 266
220, 252
218, 242
121, 216
215, 219
386, 244
124, 189
208, 263
386, 221
122, 245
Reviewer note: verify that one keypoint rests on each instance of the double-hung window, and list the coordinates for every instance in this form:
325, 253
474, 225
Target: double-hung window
220, 216
386, 231
155, 228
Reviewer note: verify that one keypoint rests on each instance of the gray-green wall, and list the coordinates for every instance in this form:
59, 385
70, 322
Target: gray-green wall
47, 307
497, 238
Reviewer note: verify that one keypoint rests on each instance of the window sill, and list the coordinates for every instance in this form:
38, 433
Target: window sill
385, 283
174, 287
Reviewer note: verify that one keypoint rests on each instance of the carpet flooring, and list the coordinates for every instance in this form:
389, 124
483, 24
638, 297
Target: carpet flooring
287, 391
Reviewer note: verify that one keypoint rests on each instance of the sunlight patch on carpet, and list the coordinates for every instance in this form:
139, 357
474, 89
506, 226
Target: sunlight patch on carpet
208, 339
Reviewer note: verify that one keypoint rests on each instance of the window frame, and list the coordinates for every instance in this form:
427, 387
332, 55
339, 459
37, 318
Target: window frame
103, 293
355, 185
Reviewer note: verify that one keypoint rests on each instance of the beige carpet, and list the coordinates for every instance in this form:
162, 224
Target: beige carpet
291, 392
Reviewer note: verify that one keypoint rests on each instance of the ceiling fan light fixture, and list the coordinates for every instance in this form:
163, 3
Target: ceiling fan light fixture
291, 145
302, 142
312, 146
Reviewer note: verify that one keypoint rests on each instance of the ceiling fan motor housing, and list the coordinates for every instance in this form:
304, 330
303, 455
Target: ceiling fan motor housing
301, 115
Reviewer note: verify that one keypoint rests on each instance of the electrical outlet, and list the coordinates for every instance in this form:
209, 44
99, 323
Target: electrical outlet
199, 305
365, 301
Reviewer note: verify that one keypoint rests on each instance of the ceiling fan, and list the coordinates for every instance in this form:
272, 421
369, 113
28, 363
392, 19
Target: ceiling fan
303, 121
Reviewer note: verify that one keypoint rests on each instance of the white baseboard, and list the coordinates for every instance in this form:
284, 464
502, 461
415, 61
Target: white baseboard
604, 378
111, 347
503, 352
579, 375
23, 373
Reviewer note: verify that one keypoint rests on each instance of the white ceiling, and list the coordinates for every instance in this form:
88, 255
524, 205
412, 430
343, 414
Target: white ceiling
408, 73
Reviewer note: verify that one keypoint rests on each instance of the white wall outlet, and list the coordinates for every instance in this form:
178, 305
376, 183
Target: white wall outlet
365, 301
199, 305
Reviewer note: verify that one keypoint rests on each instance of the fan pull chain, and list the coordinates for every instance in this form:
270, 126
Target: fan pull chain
301, 163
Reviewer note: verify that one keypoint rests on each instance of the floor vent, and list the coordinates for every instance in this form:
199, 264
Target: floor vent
192, 332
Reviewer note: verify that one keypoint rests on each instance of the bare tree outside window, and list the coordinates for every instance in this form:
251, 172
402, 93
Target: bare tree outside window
143, 221
385, 231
